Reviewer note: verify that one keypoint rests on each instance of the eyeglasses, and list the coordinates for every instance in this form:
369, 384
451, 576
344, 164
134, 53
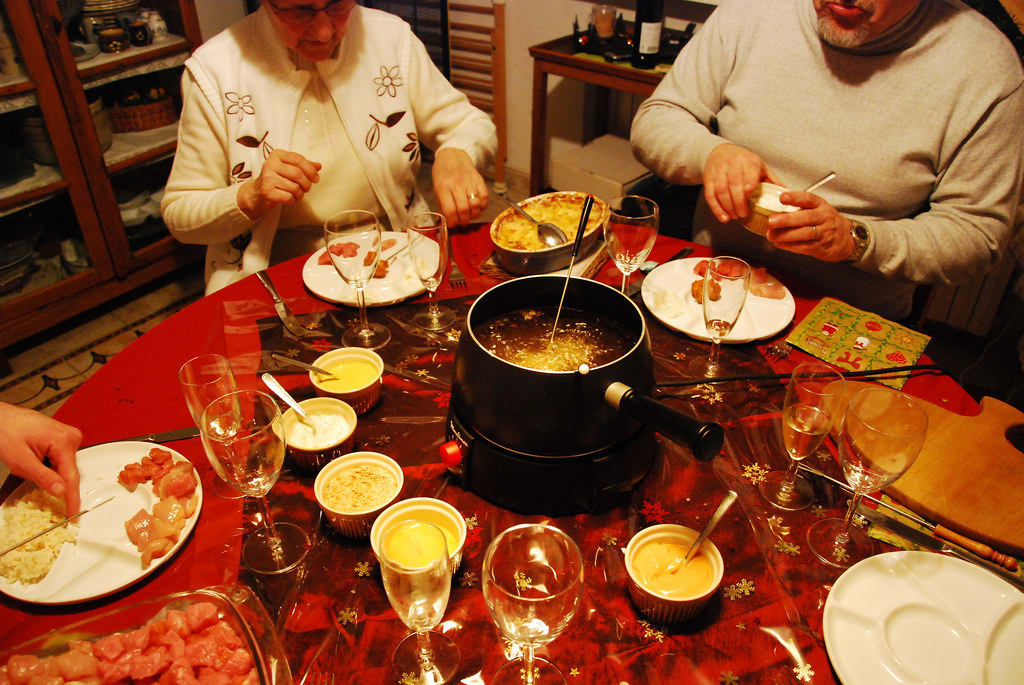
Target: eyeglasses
302, 15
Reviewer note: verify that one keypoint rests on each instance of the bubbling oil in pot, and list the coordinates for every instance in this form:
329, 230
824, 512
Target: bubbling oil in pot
522, 337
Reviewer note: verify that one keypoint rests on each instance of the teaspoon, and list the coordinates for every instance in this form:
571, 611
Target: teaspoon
549, 234
723, 507
814, 186
279, 390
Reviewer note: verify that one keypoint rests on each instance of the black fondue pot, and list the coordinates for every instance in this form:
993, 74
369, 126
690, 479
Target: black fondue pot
560, 442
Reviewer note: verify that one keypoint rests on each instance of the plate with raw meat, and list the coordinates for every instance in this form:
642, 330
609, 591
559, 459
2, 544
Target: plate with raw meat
391, 284
157, 496
667, 293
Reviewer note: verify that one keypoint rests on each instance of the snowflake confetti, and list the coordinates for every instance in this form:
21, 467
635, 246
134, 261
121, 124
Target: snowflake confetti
778, 526
710, 395
574, 671
741, 626
653, 511
803, 672
823, 454
742, 588
728, 678
608, 540
818, 511
755, 473
363, 569
523, 581
468, 579
442, 399
679, 356
839, 553
789, 548
453, 335
347, 615
471, 522
650, 632
408, 679
859, 521
536, 673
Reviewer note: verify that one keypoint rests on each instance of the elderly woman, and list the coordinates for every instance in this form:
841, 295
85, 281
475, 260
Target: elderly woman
304, 109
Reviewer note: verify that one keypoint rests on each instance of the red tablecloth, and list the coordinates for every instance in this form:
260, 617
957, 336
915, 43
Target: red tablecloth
764, 626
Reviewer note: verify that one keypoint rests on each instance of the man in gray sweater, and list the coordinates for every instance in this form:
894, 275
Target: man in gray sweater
917, 105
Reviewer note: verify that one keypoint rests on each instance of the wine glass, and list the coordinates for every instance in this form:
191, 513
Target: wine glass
726, 282
428, 249
882, 434
353, 240
630, 232
417, 575
813, 400
204, 379
532, 582
243, 436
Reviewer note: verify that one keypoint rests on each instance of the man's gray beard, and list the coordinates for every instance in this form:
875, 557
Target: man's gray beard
839, 37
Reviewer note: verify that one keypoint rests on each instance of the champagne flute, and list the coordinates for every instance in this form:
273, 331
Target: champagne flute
428, 249
203, 379
883, 431
243, 436
417, 575
630, 232
353, 240
726, 282
532, 582
813, 399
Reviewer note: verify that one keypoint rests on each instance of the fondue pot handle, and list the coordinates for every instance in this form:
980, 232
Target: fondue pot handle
703, 439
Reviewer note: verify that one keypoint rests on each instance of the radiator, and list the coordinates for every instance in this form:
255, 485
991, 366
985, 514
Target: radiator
972, 306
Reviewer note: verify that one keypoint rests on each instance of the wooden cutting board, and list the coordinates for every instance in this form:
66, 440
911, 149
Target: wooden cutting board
968, 476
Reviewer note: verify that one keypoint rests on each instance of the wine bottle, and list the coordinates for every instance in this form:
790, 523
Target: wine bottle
647, 33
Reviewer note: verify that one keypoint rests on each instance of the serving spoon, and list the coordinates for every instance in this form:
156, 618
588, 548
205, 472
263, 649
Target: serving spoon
723, 507
279, 390
549, 234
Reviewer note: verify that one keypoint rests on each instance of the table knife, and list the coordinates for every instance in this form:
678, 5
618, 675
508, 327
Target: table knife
926, 541
979, 548
69, 519
283, 313
633, 288
166, 436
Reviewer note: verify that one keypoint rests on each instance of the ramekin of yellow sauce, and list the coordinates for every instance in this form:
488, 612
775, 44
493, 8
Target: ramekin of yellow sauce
354, 376
428, 510
660, 584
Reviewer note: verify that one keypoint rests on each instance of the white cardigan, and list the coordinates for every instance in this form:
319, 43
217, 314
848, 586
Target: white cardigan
389, 96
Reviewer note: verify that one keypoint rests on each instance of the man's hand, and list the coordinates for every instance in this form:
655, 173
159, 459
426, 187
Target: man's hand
27, 437
730, 175
284, 179
817, 230
459, 188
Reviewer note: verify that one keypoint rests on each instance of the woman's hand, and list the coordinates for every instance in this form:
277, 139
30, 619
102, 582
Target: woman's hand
817, 230
731, 173
27, 438
284, 179
459, 188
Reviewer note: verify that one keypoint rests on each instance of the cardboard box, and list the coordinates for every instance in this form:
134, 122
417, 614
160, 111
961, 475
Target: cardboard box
604, 167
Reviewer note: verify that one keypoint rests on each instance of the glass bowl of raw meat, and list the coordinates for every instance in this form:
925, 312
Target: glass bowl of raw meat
219, 633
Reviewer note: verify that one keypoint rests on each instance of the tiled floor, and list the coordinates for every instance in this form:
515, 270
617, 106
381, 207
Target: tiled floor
49, 366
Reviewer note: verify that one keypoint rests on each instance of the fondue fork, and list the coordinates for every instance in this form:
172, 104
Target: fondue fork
584, 215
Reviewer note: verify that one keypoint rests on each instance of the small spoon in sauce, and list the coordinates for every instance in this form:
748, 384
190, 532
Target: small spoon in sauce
279, 390
304, 365
723, 507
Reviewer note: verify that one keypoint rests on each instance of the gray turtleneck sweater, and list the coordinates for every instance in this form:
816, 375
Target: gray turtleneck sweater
924, 127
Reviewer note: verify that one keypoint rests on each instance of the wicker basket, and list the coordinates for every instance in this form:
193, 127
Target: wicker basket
143, 117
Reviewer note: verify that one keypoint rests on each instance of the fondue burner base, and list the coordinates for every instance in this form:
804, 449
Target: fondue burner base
555, 486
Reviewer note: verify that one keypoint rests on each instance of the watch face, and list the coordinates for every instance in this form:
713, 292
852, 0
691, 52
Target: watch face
861, 231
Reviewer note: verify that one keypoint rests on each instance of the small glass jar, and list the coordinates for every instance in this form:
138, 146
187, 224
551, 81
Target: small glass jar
603, 18
112, 40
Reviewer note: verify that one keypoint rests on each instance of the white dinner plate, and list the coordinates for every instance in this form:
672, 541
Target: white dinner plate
666, 294
103, 560
401, 282
921, 617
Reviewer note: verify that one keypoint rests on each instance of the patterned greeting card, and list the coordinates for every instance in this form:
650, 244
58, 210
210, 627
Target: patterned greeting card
857, 340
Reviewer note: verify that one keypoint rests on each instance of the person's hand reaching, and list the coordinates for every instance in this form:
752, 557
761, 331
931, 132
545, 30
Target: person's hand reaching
731, 173
27, 438
459, 188
284, 179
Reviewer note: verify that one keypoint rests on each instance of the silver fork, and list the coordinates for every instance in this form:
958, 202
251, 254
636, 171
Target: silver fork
456, 278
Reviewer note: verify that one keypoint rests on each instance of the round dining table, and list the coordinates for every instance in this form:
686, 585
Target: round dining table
334, 621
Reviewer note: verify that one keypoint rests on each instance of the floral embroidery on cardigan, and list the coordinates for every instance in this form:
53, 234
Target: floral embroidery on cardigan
240, 105
413, 147
238, 172
374, 134
389, 81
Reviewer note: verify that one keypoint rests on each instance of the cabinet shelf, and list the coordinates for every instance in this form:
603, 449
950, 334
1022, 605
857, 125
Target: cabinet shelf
136, 147
16, 93
46, 181
107, 67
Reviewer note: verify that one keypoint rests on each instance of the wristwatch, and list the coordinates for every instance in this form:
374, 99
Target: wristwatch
861, 239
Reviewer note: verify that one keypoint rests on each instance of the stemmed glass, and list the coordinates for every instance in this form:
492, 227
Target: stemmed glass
353, 240
428, 248
813, 400
417, 576
630, 232
203, 379
726, 282
243, 436
883, 431
532, 582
